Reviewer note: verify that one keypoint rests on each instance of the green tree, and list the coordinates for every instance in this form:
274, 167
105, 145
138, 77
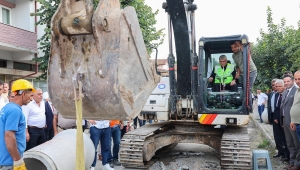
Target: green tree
293, 51
152, 37
45, 12
270, 53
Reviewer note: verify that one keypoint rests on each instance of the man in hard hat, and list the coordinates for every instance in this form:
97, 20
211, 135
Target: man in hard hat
13, 126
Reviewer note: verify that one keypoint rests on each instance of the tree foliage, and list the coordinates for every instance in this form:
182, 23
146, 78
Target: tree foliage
293, 51
45, 13
276, 51
152, 37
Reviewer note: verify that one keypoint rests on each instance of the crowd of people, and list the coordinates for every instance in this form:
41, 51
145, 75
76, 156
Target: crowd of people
104, 133
28, 119
283, 107
13, 125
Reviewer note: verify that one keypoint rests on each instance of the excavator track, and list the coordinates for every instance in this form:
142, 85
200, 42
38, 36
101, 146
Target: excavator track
142, 147
132, 144
138, 147
235, 148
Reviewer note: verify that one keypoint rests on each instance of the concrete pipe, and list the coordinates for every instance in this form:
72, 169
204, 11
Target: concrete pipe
59, 153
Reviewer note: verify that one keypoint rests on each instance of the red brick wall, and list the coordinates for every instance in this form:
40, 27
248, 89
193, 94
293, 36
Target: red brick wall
18, 37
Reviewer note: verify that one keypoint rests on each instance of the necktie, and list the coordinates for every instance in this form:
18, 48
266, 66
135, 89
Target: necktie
279, 100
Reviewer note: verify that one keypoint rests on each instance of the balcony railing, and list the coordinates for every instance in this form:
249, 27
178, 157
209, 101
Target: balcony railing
17, 39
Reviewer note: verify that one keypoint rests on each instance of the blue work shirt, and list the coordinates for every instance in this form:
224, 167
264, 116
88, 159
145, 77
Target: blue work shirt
12, 119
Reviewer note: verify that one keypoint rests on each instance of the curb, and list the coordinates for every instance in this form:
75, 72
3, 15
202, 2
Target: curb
263, 130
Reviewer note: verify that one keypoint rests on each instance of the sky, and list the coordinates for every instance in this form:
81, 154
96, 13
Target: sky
230, 17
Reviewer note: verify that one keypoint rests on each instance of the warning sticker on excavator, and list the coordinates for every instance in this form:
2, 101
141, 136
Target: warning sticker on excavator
207, 118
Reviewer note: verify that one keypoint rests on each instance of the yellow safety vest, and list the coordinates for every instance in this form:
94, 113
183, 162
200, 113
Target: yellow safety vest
224, 76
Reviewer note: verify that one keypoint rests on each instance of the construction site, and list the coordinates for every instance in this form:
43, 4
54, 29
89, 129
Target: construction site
202, 111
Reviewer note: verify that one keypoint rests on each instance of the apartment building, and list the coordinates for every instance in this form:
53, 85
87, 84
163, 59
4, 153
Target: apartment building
18, 41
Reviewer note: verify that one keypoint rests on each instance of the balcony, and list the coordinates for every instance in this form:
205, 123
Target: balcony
16, 39
15, 72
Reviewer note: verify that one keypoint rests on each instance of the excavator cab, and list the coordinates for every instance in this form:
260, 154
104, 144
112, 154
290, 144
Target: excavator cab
215, 100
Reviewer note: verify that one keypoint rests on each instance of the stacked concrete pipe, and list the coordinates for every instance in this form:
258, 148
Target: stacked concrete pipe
59, 153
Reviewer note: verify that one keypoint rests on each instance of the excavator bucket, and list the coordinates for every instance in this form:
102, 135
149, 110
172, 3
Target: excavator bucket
105, 51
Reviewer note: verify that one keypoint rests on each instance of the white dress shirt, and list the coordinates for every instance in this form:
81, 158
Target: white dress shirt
2, 102
101, 124
273, 102
35, 114
262, 97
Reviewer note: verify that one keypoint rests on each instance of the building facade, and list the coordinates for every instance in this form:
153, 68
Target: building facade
18, 41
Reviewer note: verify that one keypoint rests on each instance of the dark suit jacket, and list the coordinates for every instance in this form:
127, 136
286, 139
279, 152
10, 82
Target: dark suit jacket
269, 106
286, 104
49, 116
277, 108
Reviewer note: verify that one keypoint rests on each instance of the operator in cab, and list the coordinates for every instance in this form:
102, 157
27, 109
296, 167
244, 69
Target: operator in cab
223, 76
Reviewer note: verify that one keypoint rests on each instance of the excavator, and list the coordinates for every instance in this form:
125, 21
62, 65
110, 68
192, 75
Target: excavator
100, 57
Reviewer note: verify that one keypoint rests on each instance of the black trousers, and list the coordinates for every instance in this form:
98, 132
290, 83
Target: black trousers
49, 134
271, 118
280, 140
123, 131
37, 137
227, 87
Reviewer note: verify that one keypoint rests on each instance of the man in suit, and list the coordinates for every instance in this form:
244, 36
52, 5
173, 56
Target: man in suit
290, 135
271, 102
295, 118
277, 128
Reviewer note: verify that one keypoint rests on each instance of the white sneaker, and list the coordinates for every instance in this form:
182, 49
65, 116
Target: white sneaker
107, 167
92, 168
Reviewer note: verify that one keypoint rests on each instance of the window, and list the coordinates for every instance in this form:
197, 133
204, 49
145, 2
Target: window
42, 84
216, 97
5, 15
2, 78
3, 63
24, 66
